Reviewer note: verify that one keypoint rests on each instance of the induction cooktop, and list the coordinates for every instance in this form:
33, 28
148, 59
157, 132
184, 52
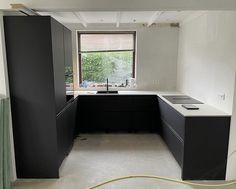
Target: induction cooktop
181, 99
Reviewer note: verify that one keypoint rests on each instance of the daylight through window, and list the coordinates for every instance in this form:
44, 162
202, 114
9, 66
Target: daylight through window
105, 55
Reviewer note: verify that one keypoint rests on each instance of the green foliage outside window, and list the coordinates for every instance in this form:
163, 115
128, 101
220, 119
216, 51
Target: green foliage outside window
69, 74
97, 67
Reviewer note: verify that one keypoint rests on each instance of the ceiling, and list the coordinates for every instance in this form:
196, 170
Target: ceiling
122, 5
146, 17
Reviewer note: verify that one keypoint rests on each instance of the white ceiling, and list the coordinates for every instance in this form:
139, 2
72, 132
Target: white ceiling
122, 5
99, 17
120, 17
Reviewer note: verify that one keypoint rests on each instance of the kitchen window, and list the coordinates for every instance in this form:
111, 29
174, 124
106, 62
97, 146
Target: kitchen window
105, 55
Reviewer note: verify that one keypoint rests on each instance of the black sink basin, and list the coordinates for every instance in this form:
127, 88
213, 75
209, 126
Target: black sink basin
107, 92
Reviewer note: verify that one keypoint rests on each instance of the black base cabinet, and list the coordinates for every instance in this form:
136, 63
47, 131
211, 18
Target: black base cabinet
66, 121
35, 47
173, 141
199, 144
118, 113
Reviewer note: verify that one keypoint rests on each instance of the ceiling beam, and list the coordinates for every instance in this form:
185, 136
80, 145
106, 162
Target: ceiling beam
118, 17
80, 18
24, 9
154, 18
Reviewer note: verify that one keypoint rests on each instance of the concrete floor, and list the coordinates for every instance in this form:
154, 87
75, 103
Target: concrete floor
96, 158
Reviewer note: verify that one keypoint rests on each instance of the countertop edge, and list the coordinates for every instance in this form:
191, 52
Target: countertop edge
205, 110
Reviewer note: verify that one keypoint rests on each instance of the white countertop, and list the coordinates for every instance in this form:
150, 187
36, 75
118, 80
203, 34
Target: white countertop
204, 109
120, 93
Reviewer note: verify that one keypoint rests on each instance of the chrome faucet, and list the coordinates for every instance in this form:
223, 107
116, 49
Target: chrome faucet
107, 86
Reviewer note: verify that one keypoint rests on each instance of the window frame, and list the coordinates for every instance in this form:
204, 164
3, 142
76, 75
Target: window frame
79, 33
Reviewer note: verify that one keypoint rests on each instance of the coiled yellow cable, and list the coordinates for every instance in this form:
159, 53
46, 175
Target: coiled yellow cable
233, 182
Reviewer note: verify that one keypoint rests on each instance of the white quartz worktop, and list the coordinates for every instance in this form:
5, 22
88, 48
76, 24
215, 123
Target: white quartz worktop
204, 109
119, 93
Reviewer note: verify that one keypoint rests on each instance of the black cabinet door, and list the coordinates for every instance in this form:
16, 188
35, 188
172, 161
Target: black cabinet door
174, 119
172, 130
58, 64
68, 61
173, 141
66, 129
30, 72
118, 113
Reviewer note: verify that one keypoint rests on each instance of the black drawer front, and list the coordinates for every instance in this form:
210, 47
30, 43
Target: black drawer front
66, 129
118, 113
122, 103
172, 117
173, 141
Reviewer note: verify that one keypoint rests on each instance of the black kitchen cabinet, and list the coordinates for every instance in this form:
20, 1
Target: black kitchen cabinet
36, 69
199, 144
173, 141
66, 121
68, 63
57, 33
68, 47
118, 113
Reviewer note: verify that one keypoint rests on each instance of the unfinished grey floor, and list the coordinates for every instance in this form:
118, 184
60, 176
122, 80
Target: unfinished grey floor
96, 158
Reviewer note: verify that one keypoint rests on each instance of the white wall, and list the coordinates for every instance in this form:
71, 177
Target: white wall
5, 91
207, 63
231, 168
2, 60
157, 50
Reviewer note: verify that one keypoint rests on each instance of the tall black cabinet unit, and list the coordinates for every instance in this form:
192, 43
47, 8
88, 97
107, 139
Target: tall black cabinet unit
36, 69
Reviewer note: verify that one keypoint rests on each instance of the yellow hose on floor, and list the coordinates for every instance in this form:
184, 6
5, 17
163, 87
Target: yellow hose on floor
233, 182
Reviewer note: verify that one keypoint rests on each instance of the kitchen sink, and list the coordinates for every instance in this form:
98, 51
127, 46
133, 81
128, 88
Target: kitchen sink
107, 92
